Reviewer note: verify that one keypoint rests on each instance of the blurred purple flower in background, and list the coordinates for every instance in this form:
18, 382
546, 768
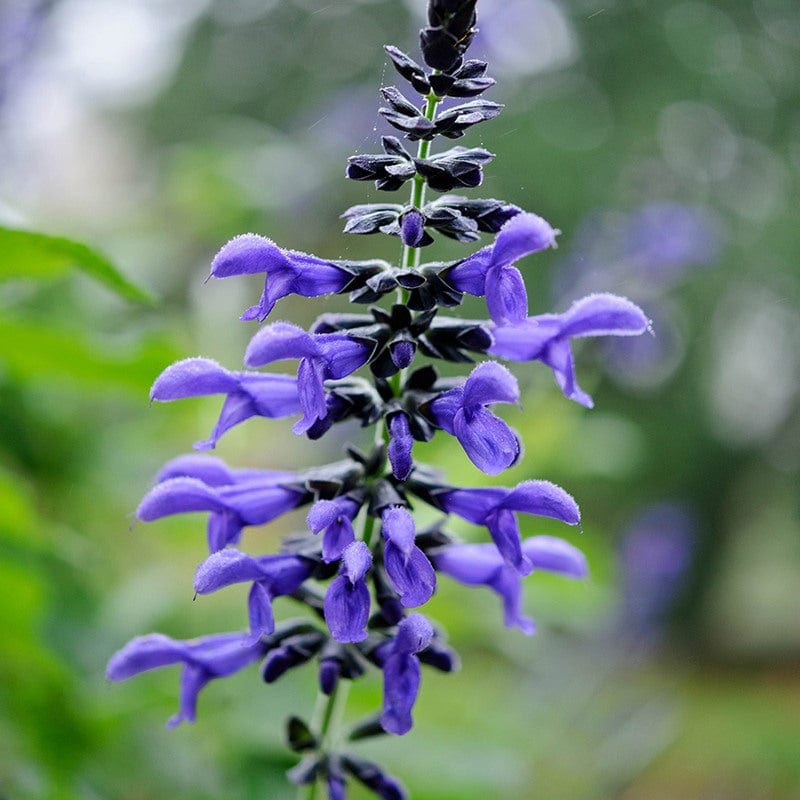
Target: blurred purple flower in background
654, 559
643, 255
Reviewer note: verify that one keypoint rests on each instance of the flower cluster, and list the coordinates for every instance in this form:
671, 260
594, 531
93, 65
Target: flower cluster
362, 567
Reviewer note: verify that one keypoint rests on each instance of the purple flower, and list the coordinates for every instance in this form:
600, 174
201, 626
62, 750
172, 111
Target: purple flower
489, 272
400, 445
287, 271
495, 508
475, 564
407, 566
249, 394
335, 518
490, 444
347, 599
203, 660
323, 356
251, 497
214, 471
272, 576
546, 338
401, 673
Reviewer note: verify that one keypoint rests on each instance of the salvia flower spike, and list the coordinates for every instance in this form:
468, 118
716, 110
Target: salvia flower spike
362, 567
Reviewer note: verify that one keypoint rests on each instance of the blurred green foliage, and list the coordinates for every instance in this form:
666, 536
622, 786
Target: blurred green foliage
246, 127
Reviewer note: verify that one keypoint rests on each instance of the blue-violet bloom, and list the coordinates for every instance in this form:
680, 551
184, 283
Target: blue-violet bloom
203, 660
253, 499
489, 271
476, 564
287, 271
323, 356
495, 508
407, 566
272, 576
490, 444
546, 337
334, 517
249, 394
347, 600
401, 672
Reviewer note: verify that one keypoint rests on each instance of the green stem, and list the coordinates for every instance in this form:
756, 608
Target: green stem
411, 255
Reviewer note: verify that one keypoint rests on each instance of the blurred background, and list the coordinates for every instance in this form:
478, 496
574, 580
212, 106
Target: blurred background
662, 138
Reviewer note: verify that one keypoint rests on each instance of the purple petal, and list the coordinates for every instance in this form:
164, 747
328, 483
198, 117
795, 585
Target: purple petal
444, 407
414, 633
487, 440
210, 470
310, 380
555, 555
346, 609
178, 496
401, 673
504, 529
472, 564
525, 341
490, 382
411, 574
506, 296
603, 315
544, 499
193, 377
508, 585
343, 354
398, 527
314, 276
225, 568
521, 235
558, 356
259, 611
472, 504
469, 275
401, 679
260, 501
246, 255
144, 653
279, 341
356, 560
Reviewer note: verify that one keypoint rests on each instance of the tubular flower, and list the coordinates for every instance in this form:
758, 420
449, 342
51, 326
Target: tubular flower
490, 444
347, 600
203, 660
250, 499
546, 338
323, 356
357, 583
335, 518
271, 576
476, 564
401, 673
495, 508
287, 271
490, 272
408, 567
249, 394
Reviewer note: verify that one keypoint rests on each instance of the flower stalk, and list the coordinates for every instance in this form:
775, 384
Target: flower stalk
378, 367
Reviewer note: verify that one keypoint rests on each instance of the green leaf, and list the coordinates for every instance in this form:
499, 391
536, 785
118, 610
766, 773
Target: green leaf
31, 351
26, 254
